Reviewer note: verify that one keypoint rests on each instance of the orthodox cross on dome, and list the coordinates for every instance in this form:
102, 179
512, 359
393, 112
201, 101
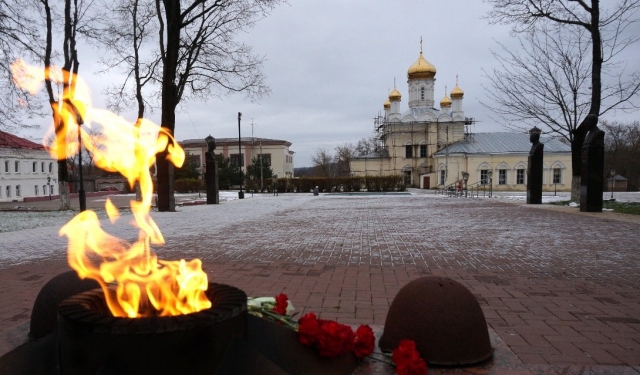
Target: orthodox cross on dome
456, 80
420, 44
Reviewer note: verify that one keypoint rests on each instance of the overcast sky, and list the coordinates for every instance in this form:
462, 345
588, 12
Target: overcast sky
330, 65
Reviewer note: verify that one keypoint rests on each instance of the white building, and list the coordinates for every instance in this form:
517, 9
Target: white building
275, 152
26, 169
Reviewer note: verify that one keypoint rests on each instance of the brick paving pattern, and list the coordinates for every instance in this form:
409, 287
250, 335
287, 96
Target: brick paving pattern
558, 288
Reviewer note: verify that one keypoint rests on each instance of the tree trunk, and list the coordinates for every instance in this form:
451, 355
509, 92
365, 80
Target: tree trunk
63, 192
166, 199
596, 87
63, 185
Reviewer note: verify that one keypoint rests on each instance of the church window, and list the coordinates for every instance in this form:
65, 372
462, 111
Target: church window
17, 190
408, 151
423, 151
520, 177
557, 173
42, 167
422, 93
6, 166
443, 176
17, 166
50, 167
484, 177
36, 189
35, 166
502, 176
8, 191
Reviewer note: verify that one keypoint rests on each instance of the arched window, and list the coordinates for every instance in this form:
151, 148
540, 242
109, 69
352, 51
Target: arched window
422, 93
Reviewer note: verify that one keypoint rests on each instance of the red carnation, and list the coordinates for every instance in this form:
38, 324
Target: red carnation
364, 343
282, 301
334, 339
407, 359
415, 367
308, 329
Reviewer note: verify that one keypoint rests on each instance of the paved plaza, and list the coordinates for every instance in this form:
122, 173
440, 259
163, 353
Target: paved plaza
556, 286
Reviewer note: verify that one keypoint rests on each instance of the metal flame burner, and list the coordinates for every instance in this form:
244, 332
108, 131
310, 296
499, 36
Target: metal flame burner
92, 341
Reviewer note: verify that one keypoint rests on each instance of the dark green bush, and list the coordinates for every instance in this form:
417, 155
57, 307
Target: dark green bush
189, 185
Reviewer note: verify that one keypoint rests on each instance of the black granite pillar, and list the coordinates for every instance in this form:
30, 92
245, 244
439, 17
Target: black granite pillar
211, 173
535, 168
592, 172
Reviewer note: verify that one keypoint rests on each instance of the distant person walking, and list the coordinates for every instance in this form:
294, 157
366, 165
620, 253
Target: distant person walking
315, 191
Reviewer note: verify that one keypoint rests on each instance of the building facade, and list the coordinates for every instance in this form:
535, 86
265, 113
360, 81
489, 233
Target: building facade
406, 140
26, 169
431, 147
505, 155
275, 153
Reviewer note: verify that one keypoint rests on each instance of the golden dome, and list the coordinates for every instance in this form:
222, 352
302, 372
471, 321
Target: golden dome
457, 92
421, 69
445, 102
394, 95
387, 104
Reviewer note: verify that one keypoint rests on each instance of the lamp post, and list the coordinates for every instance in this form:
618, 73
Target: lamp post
49, 186
613, 173
240, 193
465, 177
490, 175
275, 185
82, 197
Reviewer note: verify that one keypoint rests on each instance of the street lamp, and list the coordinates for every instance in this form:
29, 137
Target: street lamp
465, 177
490, 175
49, 186
275, 184
82, 197
613, 173
240, 193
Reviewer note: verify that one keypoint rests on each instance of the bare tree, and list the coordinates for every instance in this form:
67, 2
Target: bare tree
545, 81
322, 162
19, 38
366, 146
129, 34
622, 151
343, 156
200, 57
608, 31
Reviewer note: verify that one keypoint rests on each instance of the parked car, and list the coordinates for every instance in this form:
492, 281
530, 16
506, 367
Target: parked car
110, 188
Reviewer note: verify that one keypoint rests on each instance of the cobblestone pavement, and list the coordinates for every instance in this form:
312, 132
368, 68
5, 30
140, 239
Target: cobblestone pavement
558, 288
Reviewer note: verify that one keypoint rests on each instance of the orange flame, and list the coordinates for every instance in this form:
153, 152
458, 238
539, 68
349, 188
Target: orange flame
145, 285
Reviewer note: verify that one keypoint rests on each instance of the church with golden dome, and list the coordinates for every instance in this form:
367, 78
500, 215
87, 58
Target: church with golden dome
407, 138
429, 145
